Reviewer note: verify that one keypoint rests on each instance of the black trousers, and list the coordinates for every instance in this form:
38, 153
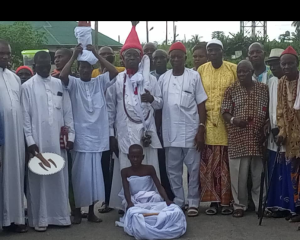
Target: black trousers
107, 169
163, 174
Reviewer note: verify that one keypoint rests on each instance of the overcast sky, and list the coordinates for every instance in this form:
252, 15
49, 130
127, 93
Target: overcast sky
184, 29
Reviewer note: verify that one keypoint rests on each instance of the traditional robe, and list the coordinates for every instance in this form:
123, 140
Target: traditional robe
12, 154
125, 117
92, 137
46, 108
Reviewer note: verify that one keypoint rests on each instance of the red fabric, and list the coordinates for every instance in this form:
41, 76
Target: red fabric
24, 67
63, 137
84, 23
290, 50
177, 46
130, 73
132, 41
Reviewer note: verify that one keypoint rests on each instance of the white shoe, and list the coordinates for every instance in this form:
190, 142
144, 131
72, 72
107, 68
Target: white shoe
40, 229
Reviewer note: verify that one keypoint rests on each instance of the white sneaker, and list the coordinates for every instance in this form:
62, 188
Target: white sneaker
40, 229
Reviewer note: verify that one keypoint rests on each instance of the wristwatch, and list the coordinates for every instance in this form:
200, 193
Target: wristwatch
231, 120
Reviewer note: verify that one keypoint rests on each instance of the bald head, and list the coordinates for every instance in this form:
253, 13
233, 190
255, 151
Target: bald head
5, 53
256, 44
62, 57
106, 49
149, 49
245, 63
160, 52
107, 53
245, 72
135, 147
160, 61
256, 54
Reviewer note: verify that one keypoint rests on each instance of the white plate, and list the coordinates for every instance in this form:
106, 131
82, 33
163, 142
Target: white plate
35, 167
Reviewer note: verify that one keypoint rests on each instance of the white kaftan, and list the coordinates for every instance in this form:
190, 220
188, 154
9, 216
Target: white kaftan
273, 86
12, 154
180, 124
46, 108
92, 137
121, 99
180, 117
170, 222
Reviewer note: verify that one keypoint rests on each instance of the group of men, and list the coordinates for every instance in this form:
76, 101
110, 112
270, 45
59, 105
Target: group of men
214, 118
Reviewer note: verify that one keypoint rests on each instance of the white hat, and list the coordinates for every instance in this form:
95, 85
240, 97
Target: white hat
215, 41
276, 52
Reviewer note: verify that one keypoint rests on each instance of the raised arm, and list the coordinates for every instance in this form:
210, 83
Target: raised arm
64, 75
126, 188
158, 185
113, 72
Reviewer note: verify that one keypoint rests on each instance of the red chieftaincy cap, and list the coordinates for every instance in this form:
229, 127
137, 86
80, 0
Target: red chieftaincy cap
132, 41
289, 50
177, 46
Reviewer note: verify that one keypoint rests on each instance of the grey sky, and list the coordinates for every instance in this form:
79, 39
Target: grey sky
184, 29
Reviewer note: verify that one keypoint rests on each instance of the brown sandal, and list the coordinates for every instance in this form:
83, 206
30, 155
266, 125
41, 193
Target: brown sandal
238, 213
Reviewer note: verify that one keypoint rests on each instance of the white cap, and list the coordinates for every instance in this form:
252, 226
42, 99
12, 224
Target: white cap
215, 41
276, 53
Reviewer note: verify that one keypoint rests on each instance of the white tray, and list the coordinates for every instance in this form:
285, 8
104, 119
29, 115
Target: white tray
35, 167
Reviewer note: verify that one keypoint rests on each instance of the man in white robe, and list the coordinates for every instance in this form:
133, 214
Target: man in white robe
183, 126
12, 154
92, 130
46, 109
131, 103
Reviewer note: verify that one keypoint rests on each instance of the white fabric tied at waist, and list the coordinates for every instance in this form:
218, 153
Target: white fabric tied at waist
169, 223
84, 36
297, 101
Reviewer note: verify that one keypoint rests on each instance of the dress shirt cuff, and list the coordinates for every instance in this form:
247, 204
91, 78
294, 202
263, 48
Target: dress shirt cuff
71, 137
30, 141
111, 132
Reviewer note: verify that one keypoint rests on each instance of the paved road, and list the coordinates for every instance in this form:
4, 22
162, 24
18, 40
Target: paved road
202, 227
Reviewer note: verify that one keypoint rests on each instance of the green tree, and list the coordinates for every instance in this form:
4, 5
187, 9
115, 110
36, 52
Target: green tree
195, 39
217, 34
296, 24
21, 36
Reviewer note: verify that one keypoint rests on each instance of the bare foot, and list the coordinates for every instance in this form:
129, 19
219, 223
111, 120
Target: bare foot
93, 218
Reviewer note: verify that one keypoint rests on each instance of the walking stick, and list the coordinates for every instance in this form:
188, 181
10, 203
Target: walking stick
263, 177
269, 185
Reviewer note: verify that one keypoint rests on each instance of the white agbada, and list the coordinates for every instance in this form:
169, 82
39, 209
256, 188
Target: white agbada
273, 87
180, 124
46, 108
180, 118
170, 223
121, 98
92, 137
12, 154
